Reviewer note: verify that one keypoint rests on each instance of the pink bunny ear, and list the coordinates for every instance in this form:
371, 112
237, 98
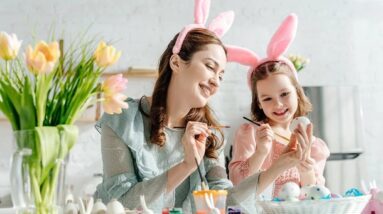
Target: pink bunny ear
180, 39
283, 37
201, 11
222, 23
241, 55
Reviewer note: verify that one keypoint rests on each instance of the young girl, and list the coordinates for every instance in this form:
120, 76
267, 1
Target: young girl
277, 98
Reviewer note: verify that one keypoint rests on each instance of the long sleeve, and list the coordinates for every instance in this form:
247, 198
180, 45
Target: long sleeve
241, 195
320, 153
243, 147
120, 180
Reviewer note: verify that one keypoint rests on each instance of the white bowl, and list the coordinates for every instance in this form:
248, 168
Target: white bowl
337, 205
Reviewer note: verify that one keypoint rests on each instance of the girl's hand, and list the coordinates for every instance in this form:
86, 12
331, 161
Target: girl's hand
290, 158
264, 136
304, 138
194, 141
306, 166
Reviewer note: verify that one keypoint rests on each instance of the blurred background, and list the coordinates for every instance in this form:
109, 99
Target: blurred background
342, 39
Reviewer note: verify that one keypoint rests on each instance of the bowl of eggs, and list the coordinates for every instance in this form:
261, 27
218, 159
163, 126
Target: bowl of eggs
314, 199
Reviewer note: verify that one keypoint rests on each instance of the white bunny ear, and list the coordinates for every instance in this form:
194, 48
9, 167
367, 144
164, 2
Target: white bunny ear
222, 23
282, 37
364, 188
241, 55
201, 11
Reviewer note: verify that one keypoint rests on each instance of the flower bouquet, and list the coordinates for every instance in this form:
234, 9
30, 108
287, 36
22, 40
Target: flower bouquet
42, 96
298, 61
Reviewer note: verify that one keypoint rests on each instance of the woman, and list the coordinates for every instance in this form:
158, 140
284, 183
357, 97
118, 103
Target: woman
145, 154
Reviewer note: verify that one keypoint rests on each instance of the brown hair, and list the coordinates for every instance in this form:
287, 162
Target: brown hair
195, 41
267, 69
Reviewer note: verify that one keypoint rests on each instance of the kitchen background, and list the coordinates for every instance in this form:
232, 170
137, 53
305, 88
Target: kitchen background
342, 39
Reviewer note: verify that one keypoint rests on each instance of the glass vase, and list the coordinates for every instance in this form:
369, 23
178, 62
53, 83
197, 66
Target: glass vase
37, 172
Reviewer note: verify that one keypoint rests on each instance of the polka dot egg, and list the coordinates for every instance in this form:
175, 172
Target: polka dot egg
316, 192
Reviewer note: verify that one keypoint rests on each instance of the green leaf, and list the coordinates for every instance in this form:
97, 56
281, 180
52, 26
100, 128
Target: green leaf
48, 144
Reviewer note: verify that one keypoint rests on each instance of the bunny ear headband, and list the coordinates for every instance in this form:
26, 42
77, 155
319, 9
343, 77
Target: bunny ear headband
278, 45
219, 25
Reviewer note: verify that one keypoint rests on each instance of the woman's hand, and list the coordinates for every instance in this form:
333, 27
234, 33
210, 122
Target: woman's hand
194, 141
264, 136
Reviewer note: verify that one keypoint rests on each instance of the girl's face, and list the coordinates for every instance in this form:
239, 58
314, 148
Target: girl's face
278, 99
200, 78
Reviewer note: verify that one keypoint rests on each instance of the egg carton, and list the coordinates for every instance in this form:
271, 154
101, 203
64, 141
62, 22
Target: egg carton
336, 205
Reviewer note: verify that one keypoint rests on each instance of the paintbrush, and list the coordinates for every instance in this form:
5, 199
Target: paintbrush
203, 185
259, 124
210, 127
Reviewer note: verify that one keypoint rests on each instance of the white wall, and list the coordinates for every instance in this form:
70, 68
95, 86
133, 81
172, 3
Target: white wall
342, 38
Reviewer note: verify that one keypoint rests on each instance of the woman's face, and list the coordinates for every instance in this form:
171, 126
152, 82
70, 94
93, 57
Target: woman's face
200, 78
278, 99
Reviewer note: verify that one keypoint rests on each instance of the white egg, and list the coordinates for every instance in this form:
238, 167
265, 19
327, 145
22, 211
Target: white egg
290, 191
145, 210
305, 191
70, 208
317, 192
99, 207
299, 120
115, 207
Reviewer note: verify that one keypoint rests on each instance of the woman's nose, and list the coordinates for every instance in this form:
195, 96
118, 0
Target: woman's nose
214, 81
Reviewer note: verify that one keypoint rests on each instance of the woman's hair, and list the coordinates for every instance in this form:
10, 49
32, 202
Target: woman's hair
267, 69
195, 41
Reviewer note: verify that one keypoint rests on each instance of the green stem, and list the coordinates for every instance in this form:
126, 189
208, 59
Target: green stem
35, 186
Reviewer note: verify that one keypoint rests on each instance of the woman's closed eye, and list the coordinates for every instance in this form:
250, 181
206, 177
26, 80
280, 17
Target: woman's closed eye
266, 99
220, 76
210, 67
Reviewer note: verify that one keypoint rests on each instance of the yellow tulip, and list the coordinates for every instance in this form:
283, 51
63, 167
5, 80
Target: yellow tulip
106, 55
43, 58
9, 46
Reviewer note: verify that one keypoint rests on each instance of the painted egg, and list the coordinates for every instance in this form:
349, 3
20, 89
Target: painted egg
99, 207
299, 120
317, 192
289, 192
115, 207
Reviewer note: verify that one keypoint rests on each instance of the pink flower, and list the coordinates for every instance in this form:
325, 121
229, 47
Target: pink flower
114, 100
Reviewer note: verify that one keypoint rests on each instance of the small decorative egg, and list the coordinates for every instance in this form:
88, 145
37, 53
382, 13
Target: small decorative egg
115, 207
289, 192
70, 208
145, 210
317, 192
299, 120
99, 207
353, 192
305, 191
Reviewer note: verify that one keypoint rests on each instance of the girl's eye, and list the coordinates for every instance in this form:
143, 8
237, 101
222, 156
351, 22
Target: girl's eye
285, 94
220, 77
